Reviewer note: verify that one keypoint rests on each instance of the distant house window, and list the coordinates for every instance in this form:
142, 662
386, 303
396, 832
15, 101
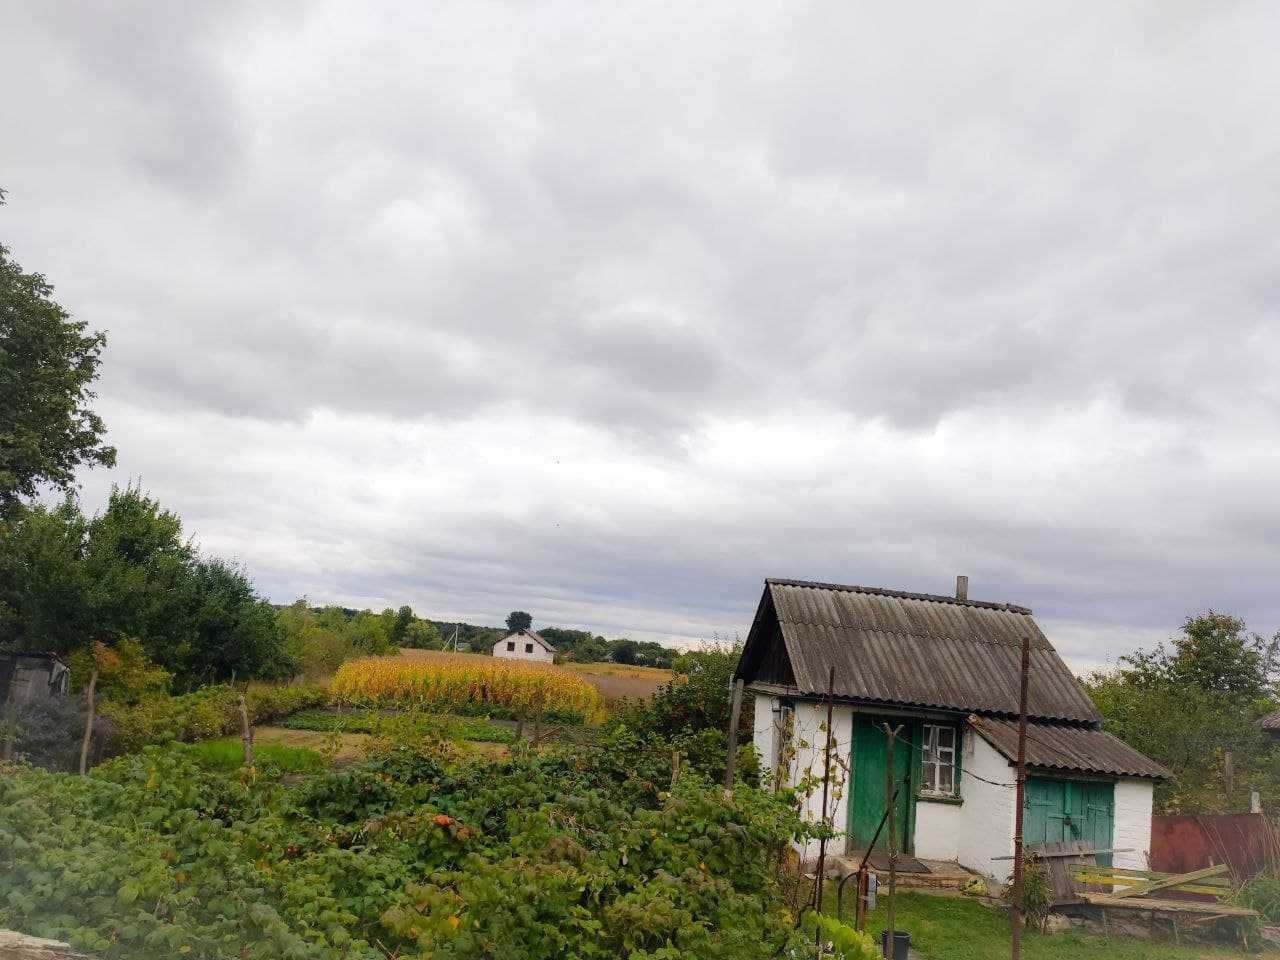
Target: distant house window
528, 648
939, 756
511, 644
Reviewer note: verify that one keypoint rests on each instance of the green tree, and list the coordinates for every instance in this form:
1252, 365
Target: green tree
400, 626
422, 635
1191, 704
624, 651
518, 620
68, 581
48, 361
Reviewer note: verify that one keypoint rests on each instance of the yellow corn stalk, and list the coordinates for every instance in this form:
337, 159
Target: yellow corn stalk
450, 681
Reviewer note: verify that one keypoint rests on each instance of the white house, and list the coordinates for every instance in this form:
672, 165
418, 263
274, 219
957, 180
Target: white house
524, 645
945, 672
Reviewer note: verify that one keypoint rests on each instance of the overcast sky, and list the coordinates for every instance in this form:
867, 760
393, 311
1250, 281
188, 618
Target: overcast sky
609, 311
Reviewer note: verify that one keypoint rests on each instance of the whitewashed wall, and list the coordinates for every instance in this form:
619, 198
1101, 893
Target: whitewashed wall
1133, 824
809, 739
765, 732
939, 827
539, 653
987, 824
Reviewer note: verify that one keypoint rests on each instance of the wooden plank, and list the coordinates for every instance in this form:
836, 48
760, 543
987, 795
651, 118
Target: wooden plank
1059, 858
1151, 885
1166, 906
1151, 874
1120, 881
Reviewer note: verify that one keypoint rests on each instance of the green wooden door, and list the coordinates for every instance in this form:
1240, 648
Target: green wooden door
867, 795
1057, 810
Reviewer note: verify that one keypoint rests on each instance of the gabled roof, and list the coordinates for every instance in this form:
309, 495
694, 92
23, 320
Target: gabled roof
528, 634
1057, 747
911, 649
1271, 721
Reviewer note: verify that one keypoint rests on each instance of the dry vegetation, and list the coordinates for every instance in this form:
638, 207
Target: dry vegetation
456, 681
618, 681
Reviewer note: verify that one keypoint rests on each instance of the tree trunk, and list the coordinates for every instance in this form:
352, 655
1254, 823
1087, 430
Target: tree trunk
88, 722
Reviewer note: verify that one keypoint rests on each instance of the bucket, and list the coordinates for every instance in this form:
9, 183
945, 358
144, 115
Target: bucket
901, 944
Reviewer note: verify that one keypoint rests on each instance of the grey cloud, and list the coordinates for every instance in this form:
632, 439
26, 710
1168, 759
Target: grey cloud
400, 261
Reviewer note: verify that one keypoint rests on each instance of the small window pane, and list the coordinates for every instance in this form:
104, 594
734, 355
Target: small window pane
945, 781
528, 648
946, 737
930, 778
511, 645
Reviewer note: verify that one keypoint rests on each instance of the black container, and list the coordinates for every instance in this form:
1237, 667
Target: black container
901, 944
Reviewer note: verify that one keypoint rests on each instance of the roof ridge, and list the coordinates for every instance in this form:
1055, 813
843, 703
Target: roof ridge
900, 594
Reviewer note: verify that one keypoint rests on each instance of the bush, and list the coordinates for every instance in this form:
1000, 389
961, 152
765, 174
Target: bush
1262, 893
581, 852
206, 714
1037, 893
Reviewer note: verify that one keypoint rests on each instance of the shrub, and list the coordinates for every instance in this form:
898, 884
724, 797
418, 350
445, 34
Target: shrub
206, 714
1262, 893
467, 682
1037, 892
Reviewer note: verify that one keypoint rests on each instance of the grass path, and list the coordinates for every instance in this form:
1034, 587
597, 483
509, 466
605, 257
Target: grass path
957, 928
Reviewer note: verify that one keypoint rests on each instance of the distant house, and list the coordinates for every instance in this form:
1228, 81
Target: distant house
524, 645
26, 677
945, 671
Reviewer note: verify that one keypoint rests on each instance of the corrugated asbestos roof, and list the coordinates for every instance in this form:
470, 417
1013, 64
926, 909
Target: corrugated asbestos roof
1271, 721
1057, 747
921, 650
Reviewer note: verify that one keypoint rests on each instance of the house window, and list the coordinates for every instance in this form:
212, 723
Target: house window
528, 648
511, 644
938, 774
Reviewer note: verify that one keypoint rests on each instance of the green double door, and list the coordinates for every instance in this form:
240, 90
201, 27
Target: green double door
1057, 810
868, 797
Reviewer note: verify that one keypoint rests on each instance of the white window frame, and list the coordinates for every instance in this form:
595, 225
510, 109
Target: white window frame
935, 758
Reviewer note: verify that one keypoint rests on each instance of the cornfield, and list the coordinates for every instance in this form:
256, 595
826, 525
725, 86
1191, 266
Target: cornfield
459, 681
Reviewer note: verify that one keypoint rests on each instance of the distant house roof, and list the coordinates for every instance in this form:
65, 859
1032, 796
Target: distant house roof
1054, 746
530, 635
1271, 722
913, 649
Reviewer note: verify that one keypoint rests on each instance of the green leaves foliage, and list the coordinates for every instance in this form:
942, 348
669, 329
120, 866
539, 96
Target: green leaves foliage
587, 852
67, 579
48, 361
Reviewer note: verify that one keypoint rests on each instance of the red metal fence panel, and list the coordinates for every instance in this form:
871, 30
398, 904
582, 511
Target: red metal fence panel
1245, 842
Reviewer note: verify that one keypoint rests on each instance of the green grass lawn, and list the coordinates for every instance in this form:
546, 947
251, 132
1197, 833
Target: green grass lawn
447, 726
228, 754
958, 928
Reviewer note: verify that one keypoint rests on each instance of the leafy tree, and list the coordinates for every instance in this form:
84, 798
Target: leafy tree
624, 651
1192, 703
422, 635
48, 361
518, 620
68, 581
400, 626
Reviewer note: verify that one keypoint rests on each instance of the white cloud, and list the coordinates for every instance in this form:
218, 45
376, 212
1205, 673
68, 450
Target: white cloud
610, 312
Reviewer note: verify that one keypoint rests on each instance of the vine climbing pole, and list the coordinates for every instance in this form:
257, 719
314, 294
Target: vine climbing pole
1015, 925
891, 796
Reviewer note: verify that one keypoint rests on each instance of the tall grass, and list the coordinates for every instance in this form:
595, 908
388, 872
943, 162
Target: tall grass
462, 682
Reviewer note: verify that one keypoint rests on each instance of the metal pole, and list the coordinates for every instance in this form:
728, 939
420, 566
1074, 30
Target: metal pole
734, 712
1016, 920
891, 795
826, 788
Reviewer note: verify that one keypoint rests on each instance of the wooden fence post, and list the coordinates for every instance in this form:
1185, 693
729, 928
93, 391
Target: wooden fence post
88, 720
734, 712
246, 733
